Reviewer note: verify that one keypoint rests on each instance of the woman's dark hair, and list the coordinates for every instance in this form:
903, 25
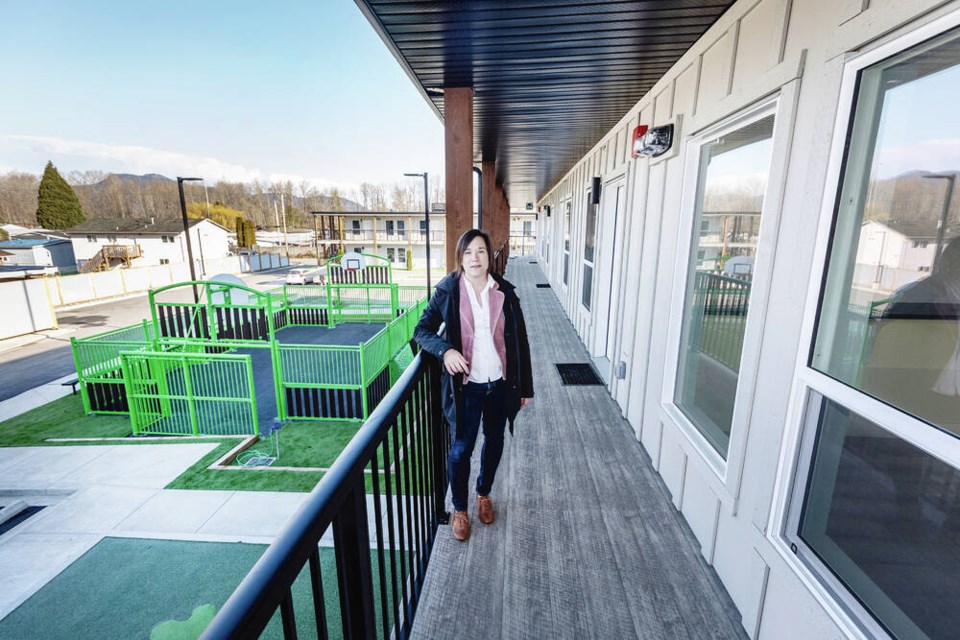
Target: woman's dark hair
465, 241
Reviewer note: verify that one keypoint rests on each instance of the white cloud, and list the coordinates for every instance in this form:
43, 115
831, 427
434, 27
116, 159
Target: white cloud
129, 158
929, 155
79, 155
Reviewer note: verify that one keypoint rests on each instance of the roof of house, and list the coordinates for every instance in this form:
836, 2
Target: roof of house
909, 228
134, 226
5, 253
32, 240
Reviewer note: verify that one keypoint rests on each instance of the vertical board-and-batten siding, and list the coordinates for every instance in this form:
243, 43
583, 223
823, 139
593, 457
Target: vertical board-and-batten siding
756, 49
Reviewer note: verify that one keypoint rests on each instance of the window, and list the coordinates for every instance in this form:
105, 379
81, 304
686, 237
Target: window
527, 228
891, 310
164, 261
878, 517
401, 228
391, 254
423, 227
884, 516
566, 244
402, 256
91, 238
167, 239
111, 238
355, 227
589, 248
390, 230
730, 192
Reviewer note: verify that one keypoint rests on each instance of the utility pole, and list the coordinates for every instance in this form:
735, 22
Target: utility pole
283, 210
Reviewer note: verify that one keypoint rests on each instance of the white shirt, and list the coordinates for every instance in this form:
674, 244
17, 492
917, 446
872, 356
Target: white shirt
485, 363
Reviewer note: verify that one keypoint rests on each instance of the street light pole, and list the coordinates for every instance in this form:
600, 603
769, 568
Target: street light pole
186, 230
316, 235
426, 218
942, 223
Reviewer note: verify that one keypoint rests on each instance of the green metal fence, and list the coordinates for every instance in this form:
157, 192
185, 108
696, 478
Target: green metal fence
190, 394
171, 373
99, 373
342, 381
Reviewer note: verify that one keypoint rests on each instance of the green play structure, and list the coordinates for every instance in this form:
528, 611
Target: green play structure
226, 363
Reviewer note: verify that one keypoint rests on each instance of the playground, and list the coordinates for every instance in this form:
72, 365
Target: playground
231, 360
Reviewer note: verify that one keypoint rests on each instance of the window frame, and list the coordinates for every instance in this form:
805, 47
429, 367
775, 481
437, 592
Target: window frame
567, 222
801, 425
587, 307
727, 472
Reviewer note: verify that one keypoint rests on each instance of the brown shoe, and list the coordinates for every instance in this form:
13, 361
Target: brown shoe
460, 525
485, 509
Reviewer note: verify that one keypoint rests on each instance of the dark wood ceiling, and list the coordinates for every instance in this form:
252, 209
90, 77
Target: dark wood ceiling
550, 77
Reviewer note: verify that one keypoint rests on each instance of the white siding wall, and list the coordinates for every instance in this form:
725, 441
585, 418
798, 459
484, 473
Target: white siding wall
757, 50
215, 241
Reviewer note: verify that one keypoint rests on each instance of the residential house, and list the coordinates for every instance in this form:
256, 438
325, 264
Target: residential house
104, 243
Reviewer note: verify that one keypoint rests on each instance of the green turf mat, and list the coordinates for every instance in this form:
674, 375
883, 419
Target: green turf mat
163, 590
62, 418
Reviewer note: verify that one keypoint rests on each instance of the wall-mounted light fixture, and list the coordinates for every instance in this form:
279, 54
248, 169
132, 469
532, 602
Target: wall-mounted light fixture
657, 141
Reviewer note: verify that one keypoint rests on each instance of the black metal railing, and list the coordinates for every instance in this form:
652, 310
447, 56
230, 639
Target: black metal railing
500, 259
723, 303
393, 470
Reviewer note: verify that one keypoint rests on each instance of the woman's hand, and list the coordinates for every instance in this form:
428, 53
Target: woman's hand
524, 402
454, 362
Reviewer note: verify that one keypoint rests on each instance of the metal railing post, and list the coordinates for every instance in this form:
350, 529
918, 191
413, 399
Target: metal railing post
354, 575
438, 429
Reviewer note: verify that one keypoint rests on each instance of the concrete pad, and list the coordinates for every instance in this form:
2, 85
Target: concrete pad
142, 465
10, 456
27, 563
94, 510
175, 511
34, 398
47, 466
261, 514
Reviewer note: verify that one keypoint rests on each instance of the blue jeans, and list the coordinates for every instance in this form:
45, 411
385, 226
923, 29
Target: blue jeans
484, 400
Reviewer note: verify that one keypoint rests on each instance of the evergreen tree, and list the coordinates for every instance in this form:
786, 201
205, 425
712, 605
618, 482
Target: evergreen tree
57, 206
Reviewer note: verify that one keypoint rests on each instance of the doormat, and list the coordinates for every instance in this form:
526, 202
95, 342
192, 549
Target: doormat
578, 374
543, 286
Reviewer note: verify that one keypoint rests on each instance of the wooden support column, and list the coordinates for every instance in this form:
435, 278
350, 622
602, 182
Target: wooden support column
458, 145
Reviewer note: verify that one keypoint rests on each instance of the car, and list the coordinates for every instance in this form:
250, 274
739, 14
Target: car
319, 276
298, 276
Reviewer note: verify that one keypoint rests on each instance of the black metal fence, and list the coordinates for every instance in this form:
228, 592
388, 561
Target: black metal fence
393, 472
723, 302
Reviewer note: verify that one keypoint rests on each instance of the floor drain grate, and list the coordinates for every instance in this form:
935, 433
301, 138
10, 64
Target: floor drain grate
543, 286
580, 374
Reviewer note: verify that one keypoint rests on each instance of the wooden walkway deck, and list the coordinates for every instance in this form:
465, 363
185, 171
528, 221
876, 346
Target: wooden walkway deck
587, 543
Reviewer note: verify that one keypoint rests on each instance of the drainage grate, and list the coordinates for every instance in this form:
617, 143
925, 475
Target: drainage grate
543, 286
533, 262
580, 374
14, 520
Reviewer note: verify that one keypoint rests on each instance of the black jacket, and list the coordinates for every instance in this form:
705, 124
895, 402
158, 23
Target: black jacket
444, 307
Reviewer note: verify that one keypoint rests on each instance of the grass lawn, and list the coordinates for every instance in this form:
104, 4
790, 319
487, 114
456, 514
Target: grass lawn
302, 444
63, 418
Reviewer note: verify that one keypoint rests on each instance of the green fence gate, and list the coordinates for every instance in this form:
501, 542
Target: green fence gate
177, 393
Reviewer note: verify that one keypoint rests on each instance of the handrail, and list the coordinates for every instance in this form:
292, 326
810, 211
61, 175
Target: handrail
500, 259
339, 500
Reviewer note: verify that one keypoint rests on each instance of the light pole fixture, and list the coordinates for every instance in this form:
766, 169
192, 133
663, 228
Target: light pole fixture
951, 178
186, 230
426, 218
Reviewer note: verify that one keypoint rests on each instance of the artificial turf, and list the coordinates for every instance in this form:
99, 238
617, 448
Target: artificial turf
302, 444
63, 418
163, 589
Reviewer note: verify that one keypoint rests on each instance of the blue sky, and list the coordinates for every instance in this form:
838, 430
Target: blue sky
236, 90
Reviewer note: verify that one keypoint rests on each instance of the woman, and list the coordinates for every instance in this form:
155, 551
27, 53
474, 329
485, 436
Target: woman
486, 368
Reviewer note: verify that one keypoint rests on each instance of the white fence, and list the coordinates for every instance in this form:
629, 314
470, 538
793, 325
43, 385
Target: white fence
27, 308
29, 304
